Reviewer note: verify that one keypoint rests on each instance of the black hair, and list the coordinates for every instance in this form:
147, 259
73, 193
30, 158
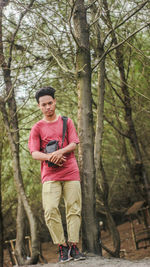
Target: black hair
45, 91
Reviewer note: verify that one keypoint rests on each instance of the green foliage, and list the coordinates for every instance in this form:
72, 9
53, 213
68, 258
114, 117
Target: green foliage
44, 54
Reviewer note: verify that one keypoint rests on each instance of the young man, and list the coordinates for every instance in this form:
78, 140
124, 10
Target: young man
61, 179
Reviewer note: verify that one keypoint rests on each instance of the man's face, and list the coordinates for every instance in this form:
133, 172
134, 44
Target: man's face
47, 105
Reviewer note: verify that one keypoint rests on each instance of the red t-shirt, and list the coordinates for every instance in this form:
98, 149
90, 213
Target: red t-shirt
43, 132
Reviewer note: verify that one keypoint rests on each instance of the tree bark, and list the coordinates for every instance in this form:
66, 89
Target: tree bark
90, 231
20, 189
11, 124
1, 214
102, 185
20, 250
120, 134
139, 168
100, 171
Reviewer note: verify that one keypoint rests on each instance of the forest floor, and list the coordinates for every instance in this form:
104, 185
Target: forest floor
129, 255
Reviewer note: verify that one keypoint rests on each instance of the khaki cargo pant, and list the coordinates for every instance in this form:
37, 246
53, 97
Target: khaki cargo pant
51, 194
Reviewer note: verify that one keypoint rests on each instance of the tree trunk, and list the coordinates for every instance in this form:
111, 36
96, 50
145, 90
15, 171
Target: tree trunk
11, 124
1, 214
102, 185
136, 185
20, 250
114, 234
90, 232
139, 168
20, 190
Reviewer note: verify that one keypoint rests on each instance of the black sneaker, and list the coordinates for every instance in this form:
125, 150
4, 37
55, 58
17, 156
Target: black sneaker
64, 254
76, 254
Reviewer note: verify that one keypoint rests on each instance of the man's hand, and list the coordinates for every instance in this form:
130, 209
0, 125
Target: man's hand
56, 157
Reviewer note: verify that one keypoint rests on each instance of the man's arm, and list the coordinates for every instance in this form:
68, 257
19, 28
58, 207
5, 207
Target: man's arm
69, 148
59, 155
56, 157
40, 155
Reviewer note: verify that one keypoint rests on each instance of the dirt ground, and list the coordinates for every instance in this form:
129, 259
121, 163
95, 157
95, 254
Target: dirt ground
128, 249
129, 255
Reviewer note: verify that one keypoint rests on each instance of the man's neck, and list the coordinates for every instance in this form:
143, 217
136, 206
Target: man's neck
50, 119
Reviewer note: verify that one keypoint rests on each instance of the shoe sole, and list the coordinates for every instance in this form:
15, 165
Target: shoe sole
65, 260
80, 259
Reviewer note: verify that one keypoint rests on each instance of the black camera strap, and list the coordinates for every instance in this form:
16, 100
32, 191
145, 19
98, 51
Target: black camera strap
64, 118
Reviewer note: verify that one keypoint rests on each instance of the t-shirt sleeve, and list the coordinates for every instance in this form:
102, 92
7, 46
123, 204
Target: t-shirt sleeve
34, 139
72, 133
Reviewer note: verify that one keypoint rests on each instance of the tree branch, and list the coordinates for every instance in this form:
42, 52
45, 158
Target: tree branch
115, 91
16, 31
71, 30
112, 124
121, 23
119, 44
131, 35
91, 4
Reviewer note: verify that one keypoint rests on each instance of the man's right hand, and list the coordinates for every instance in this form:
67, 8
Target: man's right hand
56, 157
